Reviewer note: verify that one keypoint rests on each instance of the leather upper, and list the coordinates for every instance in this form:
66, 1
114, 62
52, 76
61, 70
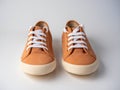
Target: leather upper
39, 56
77, 56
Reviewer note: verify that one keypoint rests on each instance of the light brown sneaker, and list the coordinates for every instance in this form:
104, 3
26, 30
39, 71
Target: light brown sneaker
38, 57
78, 56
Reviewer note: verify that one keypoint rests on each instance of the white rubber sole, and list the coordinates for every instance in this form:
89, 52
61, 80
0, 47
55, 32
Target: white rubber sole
80, 69
38, 69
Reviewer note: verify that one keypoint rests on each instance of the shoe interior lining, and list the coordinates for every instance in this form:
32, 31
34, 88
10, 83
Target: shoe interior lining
72, 24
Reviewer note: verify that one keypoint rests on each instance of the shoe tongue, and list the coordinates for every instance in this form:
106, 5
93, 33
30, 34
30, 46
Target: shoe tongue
39, 28
72, 29
37, 50
68, 29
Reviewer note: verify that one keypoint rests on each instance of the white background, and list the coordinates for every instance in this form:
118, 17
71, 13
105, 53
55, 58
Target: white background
102, 25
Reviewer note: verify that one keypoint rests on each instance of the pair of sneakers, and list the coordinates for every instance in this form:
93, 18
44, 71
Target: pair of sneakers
78, 56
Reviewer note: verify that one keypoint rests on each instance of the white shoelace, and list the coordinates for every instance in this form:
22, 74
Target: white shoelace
76, 39
36, 41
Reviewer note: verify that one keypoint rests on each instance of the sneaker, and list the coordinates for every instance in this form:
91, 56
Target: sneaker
78, 56
38, 57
